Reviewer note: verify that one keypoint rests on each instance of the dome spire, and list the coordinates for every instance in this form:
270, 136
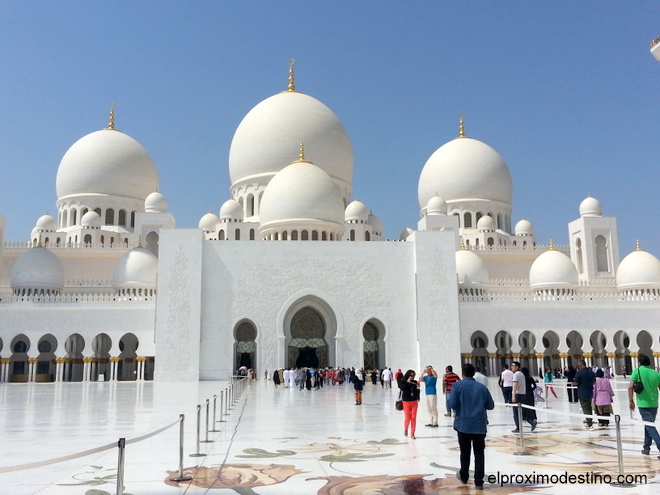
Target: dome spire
292, 84
301, 153
638, 248
463, 248
461, 127
111, 123
552, 246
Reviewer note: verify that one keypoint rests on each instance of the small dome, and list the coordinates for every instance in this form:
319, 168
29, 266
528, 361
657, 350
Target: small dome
46, 223
91, 219
405, 233
356, 212
37, 269
231, 210
524, 227
486, 224
638, 270
208, 222
299, 194
138, 268
553, 270
436, 206
465, 169
591, 207
376, 224
155, 203
106, 162
470, 269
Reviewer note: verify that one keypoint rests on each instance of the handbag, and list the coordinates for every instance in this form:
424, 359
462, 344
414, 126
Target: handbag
398, 405
638, 387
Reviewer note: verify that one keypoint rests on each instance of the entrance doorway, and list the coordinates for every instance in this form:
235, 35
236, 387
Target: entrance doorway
307, 347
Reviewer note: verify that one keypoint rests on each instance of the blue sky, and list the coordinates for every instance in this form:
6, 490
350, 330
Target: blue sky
566, 92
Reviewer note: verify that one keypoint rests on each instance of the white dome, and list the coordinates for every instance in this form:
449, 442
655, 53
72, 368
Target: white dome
301, 193
138, 268
465, 169
591, 207
91, 219
436, 206
231, 210
376, 224
638, 270
524, 227
107, 162
405, 233
208, 222
470, 269
46, 223
486, 224
155, 203
553, 270
268, 138
356, 211
37, 268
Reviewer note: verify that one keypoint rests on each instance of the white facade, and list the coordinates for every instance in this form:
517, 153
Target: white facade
291, 272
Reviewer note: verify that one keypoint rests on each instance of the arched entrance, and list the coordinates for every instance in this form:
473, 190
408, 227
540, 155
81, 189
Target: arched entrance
373, 346
307, 347
245, 346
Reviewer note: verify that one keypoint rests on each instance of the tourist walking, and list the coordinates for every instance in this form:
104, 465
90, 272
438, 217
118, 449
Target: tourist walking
584, 381
448, 381
471, 400
506, 382
647, 400
519, 396
548, 380
410, 398
571, 391
603, 394
387, 378
358, 385
430, 377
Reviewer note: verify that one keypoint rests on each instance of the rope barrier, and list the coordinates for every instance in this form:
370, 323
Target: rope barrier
84, 453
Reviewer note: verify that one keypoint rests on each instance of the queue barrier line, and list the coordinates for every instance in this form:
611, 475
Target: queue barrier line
84, 453
577, 415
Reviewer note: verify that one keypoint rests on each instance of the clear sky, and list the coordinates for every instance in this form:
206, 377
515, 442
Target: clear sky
566, 92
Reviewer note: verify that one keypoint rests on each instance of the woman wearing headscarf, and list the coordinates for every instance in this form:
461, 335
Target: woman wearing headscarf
410, 398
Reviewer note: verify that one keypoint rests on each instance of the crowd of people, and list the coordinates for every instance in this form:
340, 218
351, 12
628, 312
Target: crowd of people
468, 399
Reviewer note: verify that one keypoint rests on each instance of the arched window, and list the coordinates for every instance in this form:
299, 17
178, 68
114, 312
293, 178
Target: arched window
294, 235
367, 236
250, 205
578, 255
73, 217
315, 235
285, 235
122, 218
467, 220
479, 215
252, 234
304, 235
324, 236
132, 219
352, 235
65, 219
221, 235
237, 234
602, 263
98, 212
109, 216
102, 240
491, 241
88, 239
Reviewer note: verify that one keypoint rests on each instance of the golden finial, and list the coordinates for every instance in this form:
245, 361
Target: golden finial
638, 246
111, 124
552, 246
292, 85
301, 153
139, 246
463, 248
461, 127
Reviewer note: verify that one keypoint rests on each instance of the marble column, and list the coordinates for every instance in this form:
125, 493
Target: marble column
32, 369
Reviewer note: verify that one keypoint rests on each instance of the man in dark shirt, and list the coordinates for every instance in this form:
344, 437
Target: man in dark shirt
448, 381
471, 400
584, 381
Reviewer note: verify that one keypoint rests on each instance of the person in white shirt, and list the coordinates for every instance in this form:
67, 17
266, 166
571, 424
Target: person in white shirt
480, 377
506, 382
387, 378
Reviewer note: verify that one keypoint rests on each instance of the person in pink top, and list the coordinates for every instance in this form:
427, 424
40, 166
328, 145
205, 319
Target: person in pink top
603, 394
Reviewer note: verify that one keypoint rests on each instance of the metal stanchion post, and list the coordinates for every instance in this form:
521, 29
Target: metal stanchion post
120, 466
222, 405
206, 437
199, 417
215, 398
226, 401
231, 395
181, 477
619, 452
520, 429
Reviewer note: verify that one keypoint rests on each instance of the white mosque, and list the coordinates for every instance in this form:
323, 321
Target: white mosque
292, 272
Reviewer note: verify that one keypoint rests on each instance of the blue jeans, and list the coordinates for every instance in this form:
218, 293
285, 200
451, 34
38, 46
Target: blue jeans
650, 433
506, 393
447, 401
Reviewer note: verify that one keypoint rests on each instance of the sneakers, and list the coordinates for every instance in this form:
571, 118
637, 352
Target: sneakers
458, 477
405, 433
515, 431
435, 425
646, 452
448, 415
533, 425
431, 425
588, 427
413, 437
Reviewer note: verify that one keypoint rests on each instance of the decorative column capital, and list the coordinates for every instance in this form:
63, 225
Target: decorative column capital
33, 360
587, 355
563, 355
540, 355
115, 359
141, 359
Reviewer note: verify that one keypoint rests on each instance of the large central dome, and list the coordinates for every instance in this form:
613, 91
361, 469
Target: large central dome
268, 138
465, 169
